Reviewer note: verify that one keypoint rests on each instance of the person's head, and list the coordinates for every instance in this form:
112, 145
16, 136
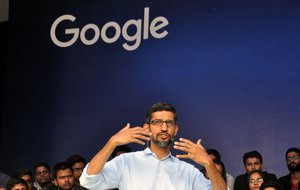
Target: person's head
63, 175
16, 184
42, 173
213, 154
161, 121
252, 161
120, 150
78, 163
4, 178
270, 185
292, 157
26, 175
255, 179
221, 168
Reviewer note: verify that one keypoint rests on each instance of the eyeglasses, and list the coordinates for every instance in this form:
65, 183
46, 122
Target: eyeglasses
42, 173
160, 122
258, 180
292, 158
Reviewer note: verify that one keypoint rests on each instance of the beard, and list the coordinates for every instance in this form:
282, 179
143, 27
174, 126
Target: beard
294, 167
162, 144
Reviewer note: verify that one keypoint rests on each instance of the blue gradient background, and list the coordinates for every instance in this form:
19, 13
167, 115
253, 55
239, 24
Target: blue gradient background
231, 68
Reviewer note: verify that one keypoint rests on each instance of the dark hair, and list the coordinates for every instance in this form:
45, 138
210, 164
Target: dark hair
123, 148
22, 171
14, 181
42, 164
252, 154
61, 166
293, 149
73, 159
273, 184
214, 152
160, 107
261, 173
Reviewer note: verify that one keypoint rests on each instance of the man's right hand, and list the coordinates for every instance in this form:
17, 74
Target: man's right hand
130, 135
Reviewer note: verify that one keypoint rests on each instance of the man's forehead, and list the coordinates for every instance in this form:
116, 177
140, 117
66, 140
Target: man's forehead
252, 160
64, 172
163, 114
41, 168
292, 153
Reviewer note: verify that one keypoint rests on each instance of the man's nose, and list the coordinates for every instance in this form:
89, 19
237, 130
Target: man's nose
164, 126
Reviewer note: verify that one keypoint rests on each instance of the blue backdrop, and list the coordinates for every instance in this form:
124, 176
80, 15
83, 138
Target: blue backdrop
231, 68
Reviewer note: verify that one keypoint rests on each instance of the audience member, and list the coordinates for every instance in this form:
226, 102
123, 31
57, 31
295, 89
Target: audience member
16, 184
120, 150
3, 180
26, 175
214, 154
78, 163
292, 180
252, 161
271, 185
219, 166
155, 167
64, 177
256, 178
42, 176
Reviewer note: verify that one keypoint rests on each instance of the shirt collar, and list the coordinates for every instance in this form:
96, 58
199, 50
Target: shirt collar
147, 151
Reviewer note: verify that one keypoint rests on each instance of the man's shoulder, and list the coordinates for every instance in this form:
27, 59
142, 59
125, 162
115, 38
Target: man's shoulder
241, 177
284, 178
270, 176
241, 182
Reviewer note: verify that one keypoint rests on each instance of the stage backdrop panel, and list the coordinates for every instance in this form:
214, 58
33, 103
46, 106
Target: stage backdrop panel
78, 71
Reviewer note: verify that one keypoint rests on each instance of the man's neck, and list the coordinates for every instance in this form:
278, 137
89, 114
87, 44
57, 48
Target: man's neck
160, 152
295, 177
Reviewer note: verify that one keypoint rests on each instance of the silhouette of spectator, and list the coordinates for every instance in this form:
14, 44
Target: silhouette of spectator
16, 184
252, 161
26, 175
78, 163
292, 180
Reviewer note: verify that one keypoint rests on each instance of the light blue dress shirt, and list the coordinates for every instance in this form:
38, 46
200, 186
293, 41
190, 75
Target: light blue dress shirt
142, 170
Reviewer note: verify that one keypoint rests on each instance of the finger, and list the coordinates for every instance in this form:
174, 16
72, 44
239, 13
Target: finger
182, 156
199, 143
185, 140
141, 137
184, 149
138, 141
182, 144
127, 126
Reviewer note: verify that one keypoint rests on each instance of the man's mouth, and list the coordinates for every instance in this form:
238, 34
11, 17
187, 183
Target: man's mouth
163, 135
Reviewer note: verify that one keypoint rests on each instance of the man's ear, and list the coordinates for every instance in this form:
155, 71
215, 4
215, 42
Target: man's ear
55, 182
176, 130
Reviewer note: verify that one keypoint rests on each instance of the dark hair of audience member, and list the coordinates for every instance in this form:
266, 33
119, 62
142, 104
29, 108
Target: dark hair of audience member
273, 184
42, 164
21, 172
15, 181
214, 152
61, 166
75, 159
252, 154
